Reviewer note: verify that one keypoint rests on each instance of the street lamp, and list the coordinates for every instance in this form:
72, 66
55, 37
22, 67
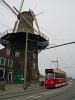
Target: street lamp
57, 63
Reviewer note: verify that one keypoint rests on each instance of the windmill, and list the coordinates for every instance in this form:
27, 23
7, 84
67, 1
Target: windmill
17, 42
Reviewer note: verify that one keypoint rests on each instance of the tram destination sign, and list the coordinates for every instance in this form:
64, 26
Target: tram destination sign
48, 70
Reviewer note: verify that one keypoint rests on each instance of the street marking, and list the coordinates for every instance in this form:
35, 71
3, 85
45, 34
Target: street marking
37, 97
29, 87
17, 99
50, 92
44, 92
31, 96
37, 86
54, 91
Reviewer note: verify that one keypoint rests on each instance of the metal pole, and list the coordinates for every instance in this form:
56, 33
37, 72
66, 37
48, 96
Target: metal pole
57, 62
25, 67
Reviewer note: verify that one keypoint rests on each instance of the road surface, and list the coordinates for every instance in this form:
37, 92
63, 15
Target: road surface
66, 92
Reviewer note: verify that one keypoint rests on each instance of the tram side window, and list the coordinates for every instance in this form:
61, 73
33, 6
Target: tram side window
49, 75
63, 76
57, 75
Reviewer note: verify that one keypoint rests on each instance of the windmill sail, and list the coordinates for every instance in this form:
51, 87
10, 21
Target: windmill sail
16, 23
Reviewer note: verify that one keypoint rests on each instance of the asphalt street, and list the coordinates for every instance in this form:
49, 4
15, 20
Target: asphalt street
66, 92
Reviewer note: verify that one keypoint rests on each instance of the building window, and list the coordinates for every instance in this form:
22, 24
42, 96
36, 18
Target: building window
8, 52
2, 61
33, 56
10, 63
34, 65
16, 54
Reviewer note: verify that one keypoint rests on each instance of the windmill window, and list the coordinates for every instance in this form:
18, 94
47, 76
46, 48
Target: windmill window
8, 52
10, 63
33, 56
2, 60
34, 65
16, 54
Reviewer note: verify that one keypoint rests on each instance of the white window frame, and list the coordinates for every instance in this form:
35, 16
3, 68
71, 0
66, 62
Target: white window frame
11, 64
34, 65
33, 55
4, 61
8, 52
17, 54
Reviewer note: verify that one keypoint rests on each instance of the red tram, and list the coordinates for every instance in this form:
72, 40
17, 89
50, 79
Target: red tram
55, 78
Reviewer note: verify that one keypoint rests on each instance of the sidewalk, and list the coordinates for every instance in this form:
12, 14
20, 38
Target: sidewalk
14, 88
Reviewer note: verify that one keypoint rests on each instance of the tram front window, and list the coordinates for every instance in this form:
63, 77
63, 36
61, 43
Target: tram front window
49, 75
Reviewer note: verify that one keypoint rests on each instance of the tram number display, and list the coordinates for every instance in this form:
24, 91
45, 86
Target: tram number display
48, 70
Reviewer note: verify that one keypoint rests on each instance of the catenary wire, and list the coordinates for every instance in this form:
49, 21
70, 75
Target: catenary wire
5, 25
59, 41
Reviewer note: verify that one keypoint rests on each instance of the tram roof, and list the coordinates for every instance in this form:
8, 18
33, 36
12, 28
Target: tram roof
59, 71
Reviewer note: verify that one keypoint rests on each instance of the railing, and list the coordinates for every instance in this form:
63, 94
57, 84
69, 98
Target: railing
6, 32
24, 30
33, 32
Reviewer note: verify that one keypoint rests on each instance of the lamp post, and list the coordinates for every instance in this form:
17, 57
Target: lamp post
57, 63
25, 66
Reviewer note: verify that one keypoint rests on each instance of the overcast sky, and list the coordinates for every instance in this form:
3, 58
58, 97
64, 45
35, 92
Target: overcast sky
57, 22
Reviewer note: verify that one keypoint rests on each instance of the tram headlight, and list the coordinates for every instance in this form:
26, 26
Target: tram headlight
51, 81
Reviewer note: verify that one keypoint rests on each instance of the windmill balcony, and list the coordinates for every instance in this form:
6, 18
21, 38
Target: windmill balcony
24, 30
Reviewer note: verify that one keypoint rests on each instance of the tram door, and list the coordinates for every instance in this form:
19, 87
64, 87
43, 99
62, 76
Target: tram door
10, 76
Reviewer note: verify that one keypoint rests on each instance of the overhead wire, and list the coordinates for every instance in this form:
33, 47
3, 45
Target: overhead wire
60, 45
60, 57
70, 56
5, 25
51, 34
